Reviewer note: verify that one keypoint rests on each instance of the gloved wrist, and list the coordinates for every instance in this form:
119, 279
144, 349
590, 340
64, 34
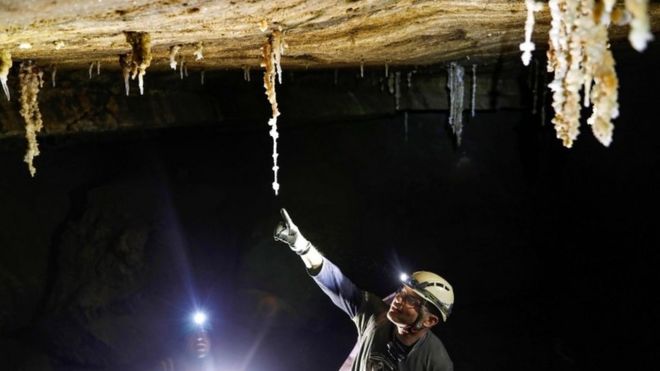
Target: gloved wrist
301, 246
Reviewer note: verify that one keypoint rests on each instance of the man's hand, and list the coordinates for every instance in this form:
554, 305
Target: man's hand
288, 233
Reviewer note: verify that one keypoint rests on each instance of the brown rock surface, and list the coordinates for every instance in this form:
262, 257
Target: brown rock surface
72, 34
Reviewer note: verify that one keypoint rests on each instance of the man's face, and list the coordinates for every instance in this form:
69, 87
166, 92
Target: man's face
405, 307
199, 344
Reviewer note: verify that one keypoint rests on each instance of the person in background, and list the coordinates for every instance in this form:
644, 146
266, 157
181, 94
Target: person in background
197, 355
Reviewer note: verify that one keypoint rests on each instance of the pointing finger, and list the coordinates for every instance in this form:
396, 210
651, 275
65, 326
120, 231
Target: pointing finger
286, 217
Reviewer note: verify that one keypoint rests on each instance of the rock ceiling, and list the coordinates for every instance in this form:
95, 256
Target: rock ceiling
324, 33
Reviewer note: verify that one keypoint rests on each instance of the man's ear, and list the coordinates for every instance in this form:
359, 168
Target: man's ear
431, 320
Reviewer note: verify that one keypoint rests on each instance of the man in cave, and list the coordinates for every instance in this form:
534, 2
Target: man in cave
394, 338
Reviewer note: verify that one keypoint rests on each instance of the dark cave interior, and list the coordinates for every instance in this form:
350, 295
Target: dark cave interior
552, 251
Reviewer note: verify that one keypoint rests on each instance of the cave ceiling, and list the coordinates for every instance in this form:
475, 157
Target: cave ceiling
318, 34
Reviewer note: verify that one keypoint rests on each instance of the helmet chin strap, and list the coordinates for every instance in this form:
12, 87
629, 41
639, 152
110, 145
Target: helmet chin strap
417, 325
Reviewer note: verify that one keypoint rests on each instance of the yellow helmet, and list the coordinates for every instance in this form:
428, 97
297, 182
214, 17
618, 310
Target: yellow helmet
434, 289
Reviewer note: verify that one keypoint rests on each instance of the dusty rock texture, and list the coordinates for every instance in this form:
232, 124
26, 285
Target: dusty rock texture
326, 33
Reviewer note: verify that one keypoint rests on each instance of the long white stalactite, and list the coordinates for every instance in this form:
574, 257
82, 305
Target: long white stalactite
527, 47
272, 52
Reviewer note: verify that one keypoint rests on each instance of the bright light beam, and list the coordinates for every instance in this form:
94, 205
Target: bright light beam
199, 318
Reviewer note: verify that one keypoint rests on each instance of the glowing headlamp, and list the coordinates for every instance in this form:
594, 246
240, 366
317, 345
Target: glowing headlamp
199, 318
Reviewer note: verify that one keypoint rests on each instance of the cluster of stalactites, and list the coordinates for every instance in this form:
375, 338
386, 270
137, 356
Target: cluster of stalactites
31, 81
96, 64
176, 57
136, 62
272, 52
5, 65
579, 56
455, 84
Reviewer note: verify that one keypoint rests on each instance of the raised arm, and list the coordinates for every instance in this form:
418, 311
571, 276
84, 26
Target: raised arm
288, 233
330, 279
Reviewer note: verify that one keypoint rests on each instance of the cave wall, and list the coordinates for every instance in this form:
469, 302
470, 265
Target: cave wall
79, 103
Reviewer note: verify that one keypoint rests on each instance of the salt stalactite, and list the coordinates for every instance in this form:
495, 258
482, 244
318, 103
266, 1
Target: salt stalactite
397, 90
535, 87
91, 67
450, 86
174, 50
597, 30
5, 65
387, 70
405, 126
604, 95
270, 61
53, 73
98, 68
564, 56
202, 77
640, 28
528, 46
185, 68
182, 62
246, 73
455, 83
574, 75
474, 89
125, 64
361, 69
141, 55
579, 56
31, 81
390, 84
199, 50
409, 78
278, 47
599, 67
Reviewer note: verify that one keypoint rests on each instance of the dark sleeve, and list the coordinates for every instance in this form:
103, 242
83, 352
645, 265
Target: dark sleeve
338, 287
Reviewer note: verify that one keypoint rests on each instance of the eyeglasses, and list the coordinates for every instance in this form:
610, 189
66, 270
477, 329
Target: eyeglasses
409, 299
